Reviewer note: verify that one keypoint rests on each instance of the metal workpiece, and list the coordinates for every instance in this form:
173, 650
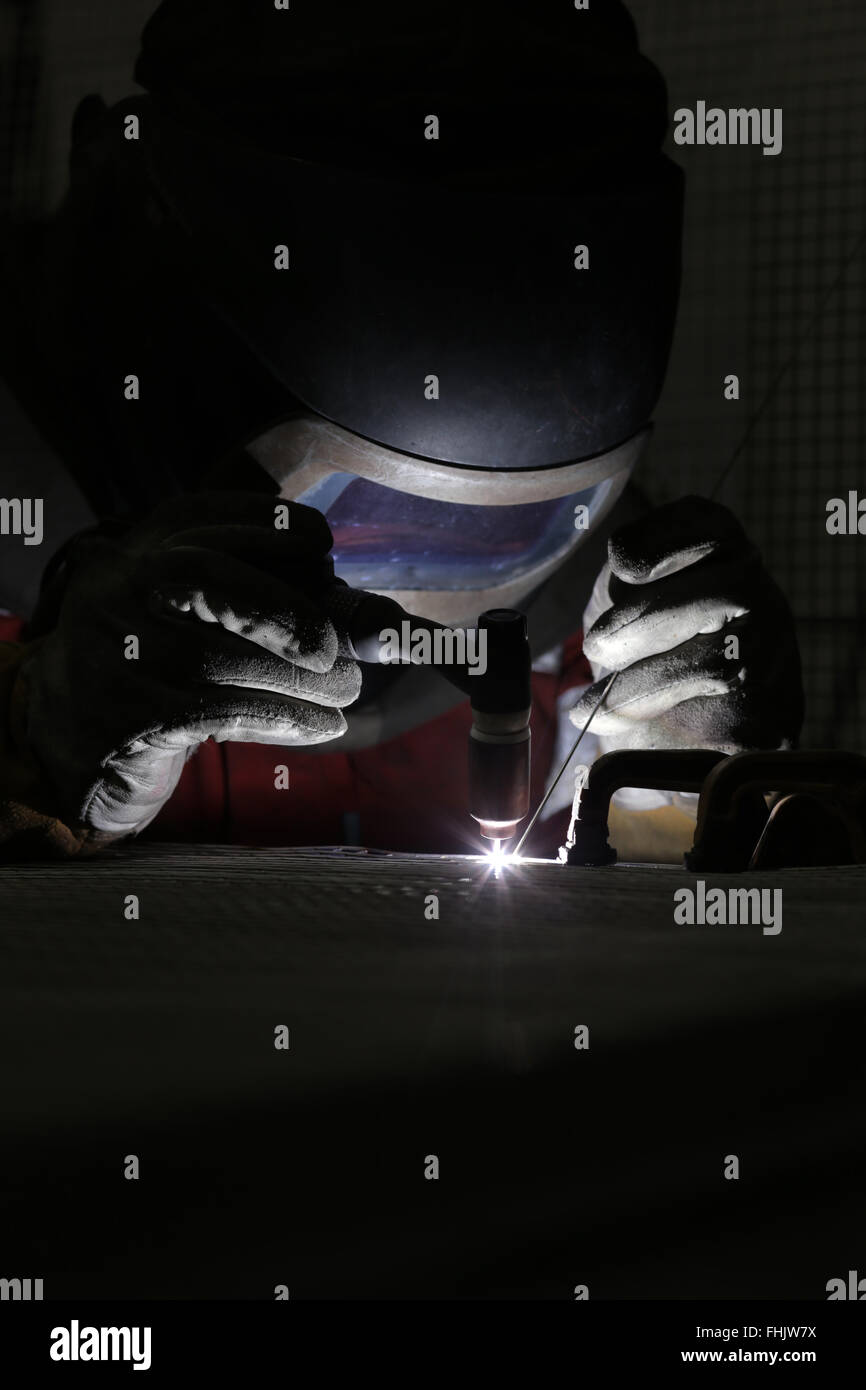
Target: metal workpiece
824, 805
834, 782
463, 1026
659, 770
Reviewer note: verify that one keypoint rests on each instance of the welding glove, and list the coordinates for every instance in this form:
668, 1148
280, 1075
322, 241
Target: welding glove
200, 623
702, 638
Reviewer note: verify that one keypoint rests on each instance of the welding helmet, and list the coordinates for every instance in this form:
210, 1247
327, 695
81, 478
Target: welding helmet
457, 341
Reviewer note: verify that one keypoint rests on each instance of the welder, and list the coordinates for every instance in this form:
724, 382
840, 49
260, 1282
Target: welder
409, 274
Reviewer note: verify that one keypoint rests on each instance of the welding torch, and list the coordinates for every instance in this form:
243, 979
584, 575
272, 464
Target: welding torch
500, 694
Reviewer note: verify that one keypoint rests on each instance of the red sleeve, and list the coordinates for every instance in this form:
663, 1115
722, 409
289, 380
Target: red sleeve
575, 668
10, 627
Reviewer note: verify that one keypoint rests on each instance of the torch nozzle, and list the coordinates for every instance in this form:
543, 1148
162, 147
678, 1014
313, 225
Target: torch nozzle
499, 740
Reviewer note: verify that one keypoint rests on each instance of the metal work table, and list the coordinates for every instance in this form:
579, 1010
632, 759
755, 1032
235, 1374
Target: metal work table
410, 1037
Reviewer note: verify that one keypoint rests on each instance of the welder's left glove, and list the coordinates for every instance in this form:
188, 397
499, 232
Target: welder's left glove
702, 637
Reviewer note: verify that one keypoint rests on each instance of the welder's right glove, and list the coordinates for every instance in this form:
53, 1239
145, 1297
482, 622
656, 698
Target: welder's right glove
200, 623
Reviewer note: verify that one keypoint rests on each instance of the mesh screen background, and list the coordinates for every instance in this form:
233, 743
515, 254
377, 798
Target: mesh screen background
765, 238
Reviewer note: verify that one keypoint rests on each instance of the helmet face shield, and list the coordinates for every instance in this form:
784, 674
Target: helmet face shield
428, 532
388, 539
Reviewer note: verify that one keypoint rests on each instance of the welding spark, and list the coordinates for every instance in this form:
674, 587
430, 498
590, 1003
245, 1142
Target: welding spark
497, 858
